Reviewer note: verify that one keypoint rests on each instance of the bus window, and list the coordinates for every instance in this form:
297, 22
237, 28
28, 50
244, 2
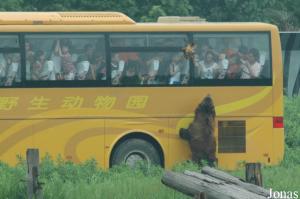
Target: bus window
148, 40
127, 40
10, 70
232, 56
65, 57
9, 41
168, 40
149, 68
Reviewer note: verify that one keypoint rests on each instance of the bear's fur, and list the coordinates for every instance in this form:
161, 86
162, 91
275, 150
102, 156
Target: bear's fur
200, 133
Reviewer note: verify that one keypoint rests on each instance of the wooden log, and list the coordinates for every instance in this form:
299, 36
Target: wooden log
253, 174
192, 183
234, 180
33, 188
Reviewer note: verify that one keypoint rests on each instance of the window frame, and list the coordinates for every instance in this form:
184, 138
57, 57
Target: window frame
187, 34
109, 50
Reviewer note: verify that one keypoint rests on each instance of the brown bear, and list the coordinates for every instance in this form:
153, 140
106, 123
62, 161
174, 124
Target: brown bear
200, 133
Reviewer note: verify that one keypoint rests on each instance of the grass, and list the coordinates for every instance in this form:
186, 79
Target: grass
65, 180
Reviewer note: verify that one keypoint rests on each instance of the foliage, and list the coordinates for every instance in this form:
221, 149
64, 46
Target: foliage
284, 13
292, 121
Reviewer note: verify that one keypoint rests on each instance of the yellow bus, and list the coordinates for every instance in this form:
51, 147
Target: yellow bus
98, 85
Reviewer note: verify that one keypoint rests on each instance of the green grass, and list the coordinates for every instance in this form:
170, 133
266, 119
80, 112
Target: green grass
65, 180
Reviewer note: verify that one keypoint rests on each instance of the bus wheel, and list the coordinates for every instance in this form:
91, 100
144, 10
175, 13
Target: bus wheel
133, 151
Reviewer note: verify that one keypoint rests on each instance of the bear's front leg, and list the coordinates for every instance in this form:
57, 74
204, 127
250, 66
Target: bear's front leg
184, 134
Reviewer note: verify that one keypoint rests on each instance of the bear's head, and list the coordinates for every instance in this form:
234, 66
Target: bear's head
206, 107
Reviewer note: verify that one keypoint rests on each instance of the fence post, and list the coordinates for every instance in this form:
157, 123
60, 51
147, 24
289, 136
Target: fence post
253, 174
34, 189
201, 195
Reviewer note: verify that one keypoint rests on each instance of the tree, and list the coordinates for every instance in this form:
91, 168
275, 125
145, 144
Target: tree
284, 13
11, 5
155, 12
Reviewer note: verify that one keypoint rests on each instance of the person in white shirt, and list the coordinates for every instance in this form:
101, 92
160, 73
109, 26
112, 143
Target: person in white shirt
13, 72
208, 68
252, 67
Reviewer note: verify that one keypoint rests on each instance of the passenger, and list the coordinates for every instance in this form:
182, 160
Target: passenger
234, 68
85, 62
67, 62
3, 67
204, 48
117, 68
152, 67
243, 54
196, 62
163, 73
82, 69
56, 58
88, 53
174, 70
223, 65
232, 45
253, 65
101, 65
29, 59
49, 70
209, 68
130, 75
13, 70
38, 66
17, 60
229, 47
97, 67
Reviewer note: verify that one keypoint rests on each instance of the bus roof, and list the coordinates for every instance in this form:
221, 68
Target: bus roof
63, 18
109, 22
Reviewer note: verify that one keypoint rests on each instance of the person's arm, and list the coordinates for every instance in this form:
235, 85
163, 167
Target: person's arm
57, 49
93, 71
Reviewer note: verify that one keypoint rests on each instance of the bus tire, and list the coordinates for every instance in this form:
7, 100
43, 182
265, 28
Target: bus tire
133, 150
